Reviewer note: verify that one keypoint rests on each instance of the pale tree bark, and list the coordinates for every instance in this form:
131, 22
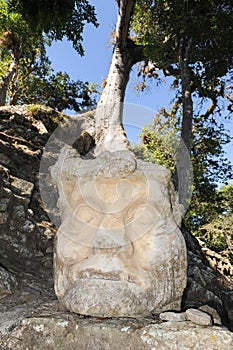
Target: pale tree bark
4, 84
187, 102
183, 167
110, 134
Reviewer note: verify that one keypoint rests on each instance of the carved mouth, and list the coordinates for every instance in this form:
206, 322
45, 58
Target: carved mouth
117, 276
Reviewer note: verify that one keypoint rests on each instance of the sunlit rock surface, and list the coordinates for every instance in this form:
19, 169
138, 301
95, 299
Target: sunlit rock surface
71, 332
119, 250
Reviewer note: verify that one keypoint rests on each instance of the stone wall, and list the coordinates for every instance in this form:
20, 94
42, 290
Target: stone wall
26, 233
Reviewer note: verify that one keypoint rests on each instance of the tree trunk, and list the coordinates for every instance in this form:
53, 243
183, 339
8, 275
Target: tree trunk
187, 102
4, 85
110, 134
184, 153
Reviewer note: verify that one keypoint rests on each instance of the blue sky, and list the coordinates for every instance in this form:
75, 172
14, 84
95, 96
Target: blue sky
93, 67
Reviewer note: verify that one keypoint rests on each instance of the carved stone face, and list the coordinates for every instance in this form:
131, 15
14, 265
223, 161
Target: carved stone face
119, 250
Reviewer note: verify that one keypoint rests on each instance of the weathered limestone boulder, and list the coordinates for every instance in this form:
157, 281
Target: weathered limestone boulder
212, 312
119, 250
198, 317
51, 329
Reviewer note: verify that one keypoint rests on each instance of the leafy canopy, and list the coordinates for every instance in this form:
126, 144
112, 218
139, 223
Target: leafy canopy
217, 233
160, 142
23, 25
163, 25
57, 18
210, 212
36, 83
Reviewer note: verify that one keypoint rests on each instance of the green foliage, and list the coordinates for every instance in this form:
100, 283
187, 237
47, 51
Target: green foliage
36, 109
149, 32
49, 117
18, 44
57, 18
159, 141
35, 82
34, 79
163, 26
217, 233
210, 166
210, 212
227, 202
16, 37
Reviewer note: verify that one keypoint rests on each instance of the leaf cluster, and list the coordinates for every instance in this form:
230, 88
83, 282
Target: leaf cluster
22, 40
160, 142
36, 83
16, 36
57, 18
163, 26
217, 234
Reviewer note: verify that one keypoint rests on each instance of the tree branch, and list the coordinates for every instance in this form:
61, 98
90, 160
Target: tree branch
125, 8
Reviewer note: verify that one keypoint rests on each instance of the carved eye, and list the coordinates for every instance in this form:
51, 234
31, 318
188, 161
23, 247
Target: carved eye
135, 211
140, 219
88, 215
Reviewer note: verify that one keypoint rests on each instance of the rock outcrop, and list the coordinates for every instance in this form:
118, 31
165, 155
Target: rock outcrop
205, 285
7, 282
51, 328
26, 233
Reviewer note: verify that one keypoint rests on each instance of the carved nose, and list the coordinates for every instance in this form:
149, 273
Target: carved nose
110, 234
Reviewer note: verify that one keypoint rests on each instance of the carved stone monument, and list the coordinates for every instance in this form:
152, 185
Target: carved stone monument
119, 250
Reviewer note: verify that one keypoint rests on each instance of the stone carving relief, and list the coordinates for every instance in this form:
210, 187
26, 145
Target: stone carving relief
119, 250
